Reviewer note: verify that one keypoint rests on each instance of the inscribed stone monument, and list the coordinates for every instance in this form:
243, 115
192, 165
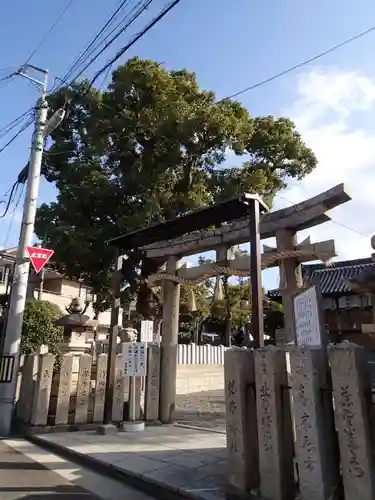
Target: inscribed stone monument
100, 386
241, 420
275, 433
83, 389
63, 394
318, 471
351, 390
42, 390
152, 384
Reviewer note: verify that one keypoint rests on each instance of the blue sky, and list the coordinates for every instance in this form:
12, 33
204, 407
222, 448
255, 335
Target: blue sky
230, 45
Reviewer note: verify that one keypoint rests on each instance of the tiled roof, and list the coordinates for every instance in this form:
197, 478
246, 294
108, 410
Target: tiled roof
332, 279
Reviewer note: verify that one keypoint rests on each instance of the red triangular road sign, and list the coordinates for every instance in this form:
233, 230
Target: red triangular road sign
39, 257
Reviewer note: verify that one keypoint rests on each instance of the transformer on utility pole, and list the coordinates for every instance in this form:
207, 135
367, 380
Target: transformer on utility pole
9, 362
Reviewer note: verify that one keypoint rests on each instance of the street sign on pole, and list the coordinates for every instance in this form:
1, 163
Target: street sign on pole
135, 359
39, 257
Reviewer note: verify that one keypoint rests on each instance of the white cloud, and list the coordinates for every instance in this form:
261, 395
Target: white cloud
333, 111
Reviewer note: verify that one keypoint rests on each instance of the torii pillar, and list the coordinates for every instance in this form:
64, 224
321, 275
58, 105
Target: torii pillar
290, 281
169, 343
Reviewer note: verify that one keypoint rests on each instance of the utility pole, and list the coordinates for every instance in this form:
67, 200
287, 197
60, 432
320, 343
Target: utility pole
9, 362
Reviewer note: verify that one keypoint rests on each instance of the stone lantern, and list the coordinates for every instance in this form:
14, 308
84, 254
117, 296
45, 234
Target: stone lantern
75, 324
74, 343
128, 333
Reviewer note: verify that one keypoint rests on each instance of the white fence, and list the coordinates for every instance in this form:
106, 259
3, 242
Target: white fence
192, 354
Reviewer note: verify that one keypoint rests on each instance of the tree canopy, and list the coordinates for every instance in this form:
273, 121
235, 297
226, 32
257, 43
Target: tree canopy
151, 147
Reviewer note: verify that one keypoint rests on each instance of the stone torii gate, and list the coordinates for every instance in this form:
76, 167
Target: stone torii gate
226, 265
288, 255
282, 224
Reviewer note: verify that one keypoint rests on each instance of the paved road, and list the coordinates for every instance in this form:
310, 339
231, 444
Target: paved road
29, 473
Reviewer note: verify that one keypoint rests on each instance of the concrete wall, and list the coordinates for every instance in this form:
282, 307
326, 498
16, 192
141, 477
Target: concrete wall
198, 378
70, 289
64, 301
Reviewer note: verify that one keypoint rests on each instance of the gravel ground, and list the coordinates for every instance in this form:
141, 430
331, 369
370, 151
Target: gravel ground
202, 409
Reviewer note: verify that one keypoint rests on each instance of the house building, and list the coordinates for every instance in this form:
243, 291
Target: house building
55, 288
345, 310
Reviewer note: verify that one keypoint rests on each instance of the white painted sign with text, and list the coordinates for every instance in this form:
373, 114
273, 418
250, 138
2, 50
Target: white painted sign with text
306, 314
134, 356
147, 331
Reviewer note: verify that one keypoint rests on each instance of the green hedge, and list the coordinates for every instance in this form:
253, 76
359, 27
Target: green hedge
39, 328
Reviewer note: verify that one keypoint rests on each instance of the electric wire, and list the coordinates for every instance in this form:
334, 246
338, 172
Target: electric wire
22, 129
6, 79
247, 89
165, 11
334, 221
135, 39
301, 64
86, 51
51, 29
105, 78
13, 213
10, 126
6, 129
136, 15
12, 193
252, 87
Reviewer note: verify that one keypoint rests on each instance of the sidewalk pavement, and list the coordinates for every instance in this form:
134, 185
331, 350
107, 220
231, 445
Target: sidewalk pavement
28, 472
169, 462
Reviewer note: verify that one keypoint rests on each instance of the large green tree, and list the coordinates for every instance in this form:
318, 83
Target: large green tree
151, 147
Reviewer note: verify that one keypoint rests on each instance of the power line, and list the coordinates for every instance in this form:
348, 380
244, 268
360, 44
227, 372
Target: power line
345, 226
150, 25
22, 129
10, 126
12, 194
86, 52
299, 65
47, 34
13, 213
252, 87
137, 37
105, 78
6, 79
114, 38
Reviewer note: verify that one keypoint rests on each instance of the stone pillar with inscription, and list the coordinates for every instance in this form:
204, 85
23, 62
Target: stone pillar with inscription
121, 385
152, 384
351, 392
100, 385
315, 441
28, 387
39, 415
64, 390
241, 421
83, 389
275, 432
